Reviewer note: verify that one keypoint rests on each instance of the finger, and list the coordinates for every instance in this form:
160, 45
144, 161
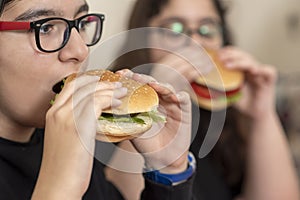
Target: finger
183, 98
102, 99
185, 105
245, 65
266, 74
91, 106
165, 91
142, 78
233, 56
125, 72
105, 88
69, 88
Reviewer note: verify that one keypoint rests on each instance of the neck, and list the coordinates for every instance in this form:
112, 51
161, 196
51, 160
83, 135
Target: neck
15, 132
18, 137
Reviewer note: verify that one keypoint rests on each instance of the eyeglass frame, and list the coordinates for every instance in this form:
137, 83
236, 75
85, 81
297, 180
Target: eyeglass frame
189, 31
36, 25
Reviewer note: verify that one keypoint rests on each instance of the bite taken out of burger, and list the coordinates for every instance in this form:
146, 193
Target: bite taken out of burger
219, 88
134, 116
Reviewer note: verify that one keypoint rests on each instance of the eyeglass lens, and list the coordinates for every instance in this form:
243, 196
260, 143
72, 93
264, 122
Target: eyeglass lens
55, 33
174, 36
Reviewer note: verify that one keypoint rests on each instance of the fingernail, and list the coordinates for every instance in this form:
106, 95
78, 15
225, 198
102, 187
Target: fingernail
116, 102
123, 89
228, 64
118, 84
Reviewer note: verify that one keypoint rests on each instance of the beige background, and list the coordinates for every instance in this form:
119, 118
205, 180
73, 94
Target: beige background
269, 29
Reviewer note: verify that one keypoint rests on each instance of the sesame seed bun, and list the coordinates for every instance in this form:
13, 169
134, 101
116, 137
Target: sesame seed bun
140, 98
219, 88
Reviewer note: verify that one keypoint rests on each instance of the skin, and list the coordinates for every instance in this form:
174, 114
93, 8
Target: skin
269, 169
70, 124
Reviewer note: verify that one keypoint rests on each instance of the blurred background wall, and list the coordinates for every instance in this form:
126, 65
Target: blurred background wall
268, 29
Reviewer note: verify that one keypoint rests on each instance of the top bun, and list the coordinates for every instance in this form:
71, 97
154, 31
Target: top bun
219, 77
140, 97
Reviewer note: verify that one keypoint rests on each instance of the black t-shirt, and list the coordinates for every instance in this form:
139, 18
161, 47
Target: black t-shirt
20, 164
210, 183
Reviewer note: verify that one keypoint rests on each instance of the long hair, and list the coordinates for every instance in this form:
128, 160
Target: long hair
229, 152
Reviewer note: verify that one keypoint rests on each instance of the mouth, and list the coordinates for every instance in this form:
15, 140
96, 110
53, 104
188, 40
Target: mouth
58, 86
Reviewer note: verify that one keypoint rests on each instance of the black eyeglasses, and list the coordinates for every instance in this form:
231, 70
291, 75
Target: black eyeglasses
52, 34
173, 35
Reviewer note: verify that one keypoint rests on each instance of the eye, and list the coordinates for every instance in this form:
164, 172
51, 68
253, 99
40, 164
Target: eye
177, 27
46, 28
209, 31
84, 24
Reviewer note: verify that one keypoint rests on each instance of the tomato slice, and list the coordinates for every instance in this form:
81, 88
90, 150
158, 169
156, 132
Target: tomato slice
210, 93
204, 92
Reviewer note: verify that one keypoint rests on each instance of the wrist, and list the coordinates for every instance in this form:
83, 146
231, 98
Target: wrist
172, 178
264, 118
178, 166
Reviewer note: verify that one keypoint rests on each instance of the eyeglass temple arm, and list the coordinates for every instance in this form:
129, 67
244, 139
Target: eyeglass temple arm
13, 26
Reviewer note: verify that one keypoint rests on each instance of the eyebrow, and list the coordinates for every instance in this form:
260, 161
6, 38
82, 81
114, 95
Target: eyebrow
210, 20
33, 14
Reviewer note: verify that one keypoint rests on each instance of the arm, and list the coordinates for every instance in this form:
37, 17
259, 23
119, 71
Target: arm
70, 138
162, 148
271, 173
270, 170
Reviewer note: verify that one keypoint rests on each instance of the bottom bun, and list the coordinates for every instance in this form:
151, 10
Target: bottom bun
110, 138
117, 131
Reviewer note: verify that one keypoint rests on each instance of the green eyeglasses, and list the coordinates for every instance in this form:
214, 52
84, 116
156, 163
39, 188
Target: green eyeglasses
208, 30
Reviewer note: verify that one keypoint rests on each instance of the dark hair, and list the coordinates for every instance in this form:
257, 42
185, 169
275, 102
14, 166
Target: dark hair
3, 3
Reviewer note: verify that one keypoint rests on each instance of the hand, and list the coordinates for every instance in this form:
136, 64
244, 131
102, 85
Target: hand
182, 69
166, 147
70, 136
258, 92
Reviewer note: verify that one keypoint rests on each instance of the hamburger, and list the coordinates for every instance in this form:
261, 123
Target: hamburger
219, 88
134, 116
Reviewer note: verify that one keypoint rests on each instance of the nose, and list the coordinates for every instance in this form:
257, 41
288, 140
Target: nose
196, 37
206, 43
75, 50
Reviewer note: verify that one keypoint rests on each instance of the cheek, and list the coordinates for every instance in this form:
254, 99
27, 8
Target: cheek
26, 105
156, 55
24, 90
212, 44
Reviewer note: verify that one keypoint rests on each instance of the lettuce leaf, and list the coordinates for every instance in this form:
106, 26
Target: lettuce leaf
156, 116
121, 118
134, 118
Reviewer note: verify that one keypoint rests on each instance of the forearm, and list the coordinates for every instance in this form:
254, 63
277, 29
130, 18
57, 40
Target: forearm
51, 187
270, 171
48, 192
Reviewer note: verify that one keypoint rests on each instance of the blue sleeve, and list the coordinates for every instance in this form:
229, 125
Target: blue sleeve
183, 191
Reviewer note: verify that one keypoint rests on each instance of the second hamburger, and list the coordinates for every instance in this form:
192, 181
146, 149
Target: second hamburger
219, 88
